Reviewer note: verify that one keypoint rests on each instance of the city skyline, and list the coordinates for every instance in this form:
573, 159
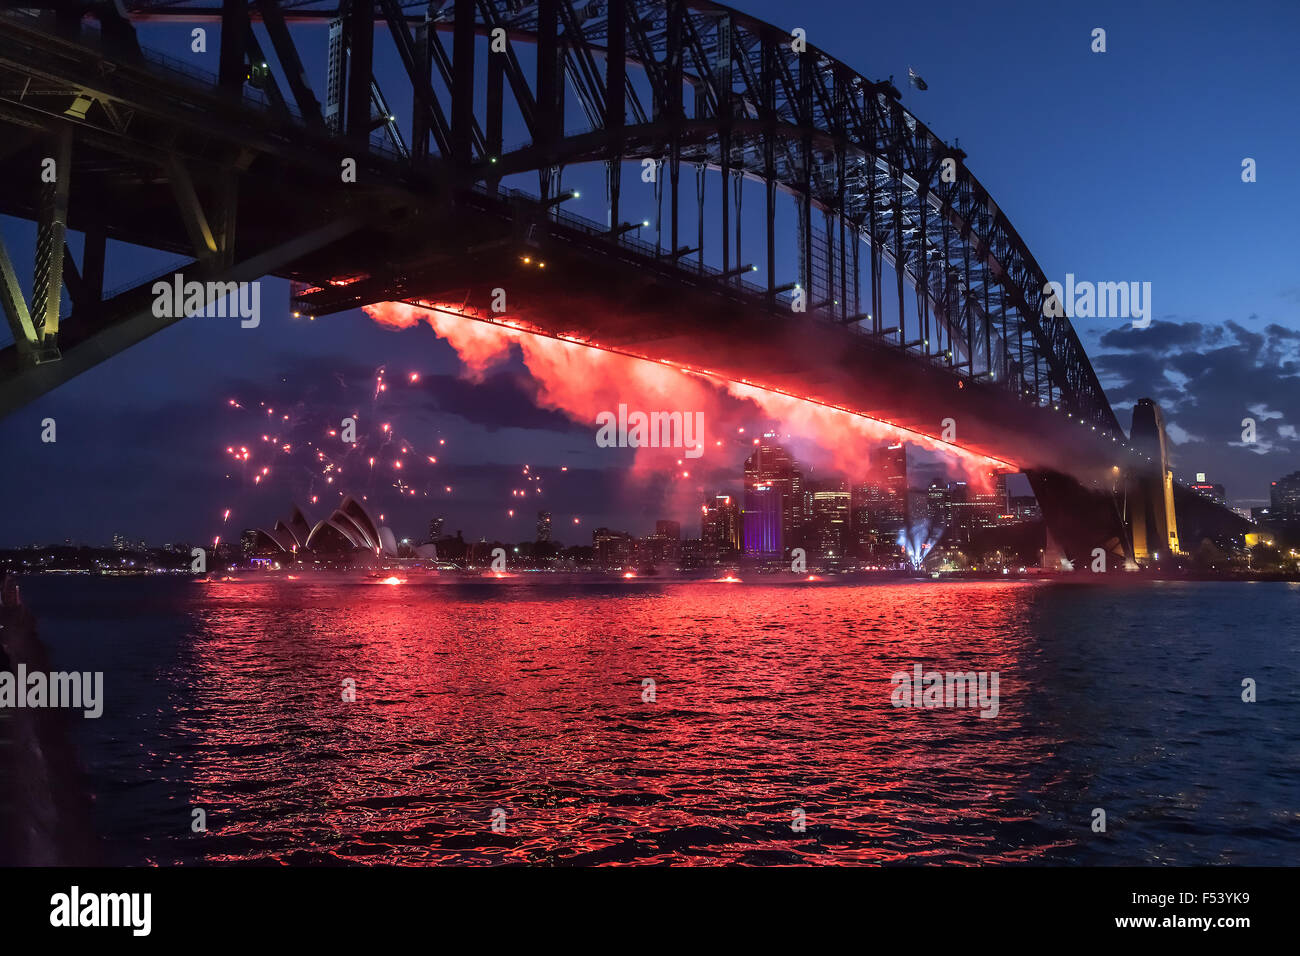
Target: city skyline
916, 477
893, 516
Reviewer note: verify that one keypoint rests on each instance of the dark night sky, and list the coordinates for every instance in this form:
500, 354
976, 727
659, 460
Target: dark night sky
1116, 166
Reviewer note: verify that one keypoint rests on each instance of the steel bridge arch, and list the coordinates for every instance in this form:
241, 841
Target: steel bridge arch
808, 125
794, 120
719, 90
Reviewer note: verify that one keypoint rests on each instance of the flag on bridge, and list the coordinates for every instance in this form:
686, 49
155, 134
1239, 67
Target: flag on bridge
915, 79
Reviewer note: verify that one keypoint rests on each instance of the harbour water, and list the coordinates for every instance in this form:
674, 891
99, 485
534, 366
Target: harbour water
767, 736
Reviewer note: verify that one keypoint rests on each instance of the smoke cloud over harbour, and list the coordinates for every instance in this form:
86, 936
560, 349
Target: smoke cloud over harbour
583, 381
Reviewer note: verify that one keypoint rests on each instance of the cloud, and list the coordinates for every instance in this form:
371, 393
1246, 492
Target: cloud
1208, 379
1158, 337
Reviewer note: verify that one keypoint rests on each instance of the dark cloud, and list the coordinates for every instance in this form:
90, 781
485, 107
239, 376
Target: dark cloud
504, 399
1207, 380
1157, 337
1278, 332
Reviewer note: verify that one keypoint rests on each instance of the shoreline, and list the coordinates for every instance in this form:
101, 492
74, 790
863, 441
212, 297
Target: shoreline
404, 575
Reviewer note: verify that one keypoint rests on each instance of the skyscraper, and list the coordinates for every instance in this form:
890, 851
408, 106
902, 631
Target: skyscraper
664, 546
889, 463
1210, 489
1002, 500
886, 501
828, 509
543, 526
720, 530
668, 529
938, 505
962, 510
1284, 500
613, 549
991, 501
862, 529
774, 508
764, 539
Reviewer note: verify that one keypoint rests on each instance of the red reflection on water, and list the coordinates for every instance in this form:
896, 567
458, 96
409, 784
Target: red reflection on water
532, 698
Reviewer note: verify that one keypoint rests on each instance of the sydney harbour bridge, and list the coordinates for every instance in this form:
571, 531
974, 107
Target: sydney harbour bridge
812, 236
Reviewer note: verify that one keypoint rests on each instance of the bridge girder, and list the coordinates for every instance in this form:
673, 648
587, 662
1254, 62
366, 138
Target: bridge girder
799, 120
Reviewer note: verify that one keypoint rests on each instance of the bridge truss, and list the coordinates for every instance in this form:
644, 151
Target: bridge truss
896, 239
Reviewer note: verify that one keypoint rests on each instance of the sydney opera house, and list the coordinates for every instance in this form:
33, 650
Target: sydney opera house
350, 534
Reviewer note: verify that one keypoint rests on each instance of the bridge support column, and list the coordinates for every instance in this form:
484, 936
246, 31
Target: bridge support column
550, 86
290, 62
200, 231
15, 306
234, 48
613, 186
738, 185
1083, 520
462, 91
361, 53
496, 77
615, 107
726, 208
1150, 487
52, 229
700, 173
335, 73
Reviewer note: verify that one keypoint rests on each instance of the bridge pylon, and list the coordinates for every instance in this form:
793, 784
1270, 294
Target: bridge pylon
1086, 522
1149, 487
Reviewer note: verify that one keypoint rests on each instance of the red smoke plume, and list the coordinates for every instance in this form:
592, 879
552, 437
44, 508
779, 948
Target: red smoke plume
581, 380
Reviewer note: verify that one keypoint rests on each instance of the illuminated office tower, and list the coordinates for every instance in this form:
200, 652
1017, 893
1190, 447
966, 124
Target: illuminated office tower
889, 465
720, 531
773, 487
828, 523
